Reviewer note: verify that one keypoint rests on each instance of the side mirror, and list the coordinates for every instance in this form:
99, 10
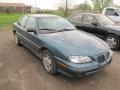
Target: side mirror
95, 24
18, 23
31, 30
116, 14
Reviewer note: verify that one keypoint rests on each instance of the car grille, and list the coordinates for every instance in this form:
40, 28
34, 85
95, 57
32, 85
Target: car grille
103, 57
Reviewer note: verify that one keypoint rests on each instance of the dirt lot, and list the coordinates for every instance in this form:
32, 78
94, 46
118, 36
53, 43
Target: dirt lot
22, 70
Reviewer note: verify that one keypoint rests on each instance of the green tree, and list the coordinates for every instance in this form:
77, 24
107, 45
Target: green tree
84, 6
100, 4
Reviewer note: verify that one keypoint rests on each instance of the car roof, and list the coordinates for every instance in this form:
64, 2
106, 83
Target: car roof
42, 15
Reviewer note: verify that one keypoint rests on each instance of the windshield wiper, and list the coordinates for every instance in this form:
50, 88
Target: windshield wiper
47, 29
65, 29
54, 30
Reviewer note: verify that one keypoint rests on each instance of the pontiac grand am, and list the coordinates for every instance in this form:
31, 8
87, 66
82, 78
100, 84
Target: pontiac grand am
61, 47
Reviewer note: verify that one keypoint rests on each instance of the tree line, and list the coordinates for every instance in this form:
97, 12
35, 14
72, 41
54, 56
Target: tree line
94, 6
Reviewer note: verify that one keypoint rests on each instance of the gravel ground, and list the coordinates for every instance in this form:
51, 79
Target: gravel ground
22, 70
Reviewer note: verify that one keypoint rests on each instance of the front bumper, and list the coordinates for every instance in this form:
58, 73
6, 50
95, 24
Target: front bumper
78, 70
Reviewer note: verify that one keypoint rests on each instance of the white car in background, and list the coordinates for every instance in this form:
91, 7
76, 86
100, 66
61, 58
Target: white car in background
113, 13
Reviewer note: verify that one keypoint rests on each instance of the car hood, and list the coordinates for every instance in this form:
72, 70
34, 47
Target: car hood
75, 43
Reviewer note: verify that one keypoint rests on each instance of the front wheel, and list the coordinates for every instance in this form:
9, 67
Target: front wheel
113, 41
48, 62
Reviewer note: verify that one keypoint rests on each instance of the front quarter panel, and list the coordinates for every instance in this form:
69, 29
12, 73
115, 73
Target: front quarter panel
111, 30
52, 47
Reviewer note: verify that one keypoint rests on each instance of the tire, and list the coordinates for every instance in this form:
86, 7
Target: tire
48, 60
113, 41
17, 40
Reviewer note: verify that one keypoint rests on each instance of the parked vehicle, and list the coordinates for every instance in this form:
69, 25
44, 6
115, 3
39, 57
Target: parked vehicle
60, 46
98, 25
113, 13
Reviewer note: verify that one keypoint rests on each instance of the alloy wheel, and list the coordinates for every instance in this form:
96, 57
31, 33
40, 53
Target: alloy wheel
47, 62
112, 42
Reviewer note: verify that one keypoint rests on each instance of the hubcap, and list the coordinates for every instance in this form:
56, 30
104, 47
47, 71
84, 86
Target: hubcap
111, 42
47, 62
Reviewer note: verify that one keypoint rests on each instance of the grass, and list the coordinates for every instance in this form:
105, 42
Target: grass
9, 19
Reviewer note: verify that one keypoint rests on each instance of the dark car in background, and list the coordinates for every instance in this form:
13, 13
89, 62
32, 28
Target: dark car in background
98, 25
60, 46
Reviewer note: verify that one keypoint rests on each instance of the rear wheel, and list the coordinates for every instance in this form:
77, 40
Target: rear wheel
48, 62
113, 41
17, 40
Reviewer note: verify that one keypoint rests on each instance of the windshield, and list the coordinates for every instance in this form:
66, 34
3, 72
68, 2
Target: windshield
103, 20
54, 23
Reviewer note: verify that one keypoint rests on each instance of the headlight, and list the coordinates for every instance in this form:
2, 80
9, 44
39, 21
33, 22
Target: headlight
80, 59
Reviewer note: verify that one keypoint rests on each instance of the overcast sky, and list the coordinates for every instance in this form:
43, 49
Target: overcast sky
48, 4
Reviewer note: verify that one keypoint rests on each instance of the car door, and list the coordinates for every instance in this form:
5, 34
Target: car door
32, 40
90, 24
20, 28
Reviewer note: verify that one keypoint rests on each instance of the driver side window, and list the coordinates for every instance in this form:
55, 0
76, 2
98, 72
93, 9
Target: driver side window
22, 21
31, 23
88, 19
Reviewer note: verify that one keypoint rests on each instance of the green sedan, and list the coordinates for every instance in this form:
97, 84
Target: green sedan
61, 47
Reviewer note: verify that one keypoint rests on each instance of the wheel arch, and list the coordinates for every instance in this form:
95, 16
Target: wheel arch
43, 49
112, 34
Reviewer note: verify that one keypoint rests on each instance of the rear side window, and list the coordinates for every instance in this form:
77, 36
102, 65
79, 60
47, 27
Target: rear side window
110, 12
76, 18
89, 19
23, 21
